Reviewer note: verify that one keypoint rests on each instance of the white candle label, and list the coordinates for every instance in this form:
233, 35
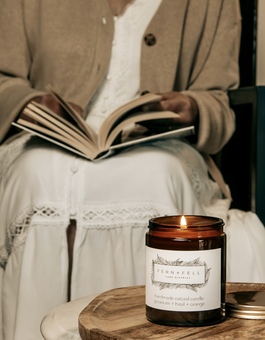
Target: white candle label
183, 280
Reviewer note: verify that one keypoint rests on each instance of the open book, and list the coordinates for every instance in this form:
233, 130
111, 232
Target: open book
119, 130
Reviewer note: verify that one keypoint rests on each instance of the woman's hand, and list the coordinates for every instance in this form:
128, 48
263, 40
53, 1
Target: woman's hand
185, 107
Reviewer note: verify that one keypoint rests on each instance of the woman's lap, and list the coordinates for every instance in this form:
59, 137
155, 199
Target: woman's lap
111, 200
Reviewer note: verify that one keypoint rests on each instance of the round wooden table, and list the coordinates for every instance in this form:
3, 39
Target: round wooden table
120, 314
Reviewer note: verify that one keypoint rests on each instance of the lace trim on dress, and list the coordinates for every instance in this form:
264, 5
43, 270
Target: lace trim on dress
38, 214
123, 214
95, 215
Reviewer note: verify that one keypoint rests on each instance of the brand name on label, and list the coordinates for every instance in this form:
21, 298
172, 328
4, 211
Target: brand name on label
179, 274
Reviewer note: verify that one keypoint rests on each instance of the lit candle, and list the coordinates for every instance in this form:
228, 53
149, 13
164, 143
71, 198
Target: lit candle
183, 222
185, 270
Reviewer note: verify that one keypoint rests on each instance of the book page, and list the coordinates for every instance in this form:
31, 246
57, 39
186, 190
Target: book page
134, 118
79, 120
54, 137
69, 122
60, 126
177, 133
124, 112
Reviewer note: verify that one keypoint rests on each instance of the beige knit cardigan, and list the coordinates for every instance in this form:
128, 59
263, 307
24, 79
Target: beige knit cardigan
67, 44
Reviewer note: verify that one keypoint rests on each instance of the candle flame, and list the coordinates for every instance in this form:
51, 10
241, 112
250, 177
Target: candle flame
183, 222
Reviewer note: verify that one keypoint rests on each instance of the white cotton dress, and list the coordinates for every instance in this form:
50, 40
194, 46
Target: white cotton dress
43, 186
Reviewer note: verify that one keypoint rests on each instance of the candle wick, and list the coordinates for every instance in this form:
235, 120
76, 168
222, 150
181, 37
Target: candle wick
183, 226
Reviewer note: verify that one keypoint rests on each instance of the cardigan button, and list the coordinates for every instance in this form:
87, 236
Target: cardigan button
150, 39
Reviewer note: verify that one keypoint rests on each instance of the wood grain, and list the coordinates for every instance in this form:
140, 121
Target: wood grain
120, 314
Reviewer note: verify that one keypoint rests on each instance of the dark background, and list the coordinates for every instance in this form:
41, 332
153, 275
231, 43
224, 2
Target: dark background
247, 58
242, 160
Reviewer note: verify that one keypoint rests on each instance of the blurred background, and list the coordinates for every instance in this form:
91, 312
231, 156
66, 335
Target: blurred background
242, 160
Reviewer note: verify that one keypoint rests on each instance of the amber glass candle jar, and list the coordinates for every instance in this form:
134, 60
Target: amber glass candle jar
185, 270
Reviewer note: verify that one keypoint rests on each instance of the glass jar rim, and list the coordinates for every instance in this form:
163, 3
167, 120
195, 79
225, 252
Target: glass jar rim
194, 222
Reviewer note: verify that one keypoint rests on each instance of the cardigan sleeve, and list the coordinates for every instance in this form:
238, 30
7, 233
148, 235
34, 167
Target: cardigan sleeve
15, 60
215, 72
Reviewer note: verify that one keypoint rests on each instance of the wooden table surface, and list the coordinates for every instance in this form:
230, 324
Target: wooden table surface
120, 314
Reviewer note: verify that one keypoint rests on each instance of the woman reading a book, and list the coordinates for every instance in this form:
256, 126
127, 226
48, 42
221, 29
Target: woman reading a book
71, 227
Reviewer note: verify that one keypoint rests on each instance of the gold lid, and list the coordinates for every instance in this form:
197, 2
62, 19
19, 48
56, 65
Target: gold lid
246, 304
